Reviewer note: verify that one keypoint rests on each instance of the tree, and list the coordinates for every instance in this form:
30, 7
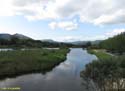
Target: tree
114, 44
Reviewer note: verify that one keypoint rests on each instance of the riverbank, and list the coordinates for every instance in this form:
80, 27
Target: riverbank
108, 72
64, 76
19, 62
101, 54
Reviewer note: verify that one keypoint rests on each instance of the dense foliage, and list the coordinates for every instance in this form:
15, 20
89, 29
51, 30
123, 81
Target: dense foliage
108, 72
37, 60
114, 44
22, 43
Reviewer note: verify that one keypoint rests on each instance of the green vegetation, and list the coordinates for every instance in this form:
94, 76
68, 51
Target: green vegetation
18, 62
115, 44
15, 42
108, 72
101, 54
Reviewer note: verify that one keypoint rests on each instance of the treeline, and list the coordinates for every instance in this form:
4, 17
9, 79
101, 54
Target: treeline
16, 42
115, 44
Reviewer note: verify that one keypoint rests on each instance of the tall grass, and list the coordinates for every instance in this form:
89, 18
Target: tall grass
19, 62
108, 72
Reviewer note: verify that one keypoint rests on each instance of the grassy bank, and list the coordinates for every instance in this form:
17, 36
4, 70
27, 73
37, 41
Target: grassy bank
101, 54
108, 72
19, 62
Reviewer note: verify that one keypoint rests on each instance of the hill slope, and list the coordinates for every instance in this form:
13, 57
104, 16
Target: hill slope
9, 36
5, 36
114, 44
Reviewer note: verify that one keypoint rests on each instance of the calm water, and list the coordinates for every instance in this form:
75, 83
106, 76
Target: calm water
64, 77
6, 49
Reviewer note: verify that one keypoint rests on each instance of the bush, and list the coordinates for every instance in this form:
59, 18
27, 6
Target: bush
107, 72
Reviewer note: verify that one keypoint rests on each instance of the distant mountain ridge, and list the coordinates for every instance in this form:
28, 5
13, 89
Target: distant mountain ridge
9, 36
22, 41
85, 42
5, 36
21, 36
49, 40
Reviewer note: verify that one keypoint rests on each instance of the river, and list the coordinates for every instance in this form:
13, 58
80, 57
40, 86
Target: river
64, 77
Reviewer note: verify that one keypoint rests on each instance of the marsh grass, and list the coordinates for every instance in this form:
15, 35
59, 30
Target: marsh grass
39, 60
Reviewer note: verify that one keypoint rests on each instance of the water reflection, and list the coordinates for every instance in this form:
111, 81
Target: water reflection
6, 49
65, 77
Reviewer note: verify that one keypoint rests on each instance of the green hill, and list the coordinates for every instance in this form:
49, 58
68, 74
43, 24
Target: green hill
115, 44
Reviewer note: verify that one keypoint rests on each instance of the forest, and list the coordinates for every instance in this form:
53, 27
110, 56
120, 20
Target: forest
108, 71
15, 42
115, 44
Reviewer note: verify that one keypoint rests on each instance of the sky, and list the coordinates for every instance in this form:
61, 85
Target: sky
63, 20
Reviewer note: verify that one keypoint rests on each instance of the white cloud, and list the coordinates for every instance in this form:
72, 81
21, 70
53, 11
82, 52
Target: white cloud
66, 25
53, 25
114, 18
93, 11
115, 32
6, 8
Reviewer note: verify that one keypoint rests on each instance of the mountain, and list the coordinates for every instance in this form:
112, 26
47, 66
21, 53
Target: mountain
85, 42
20, 36
5, 36
79, 42
22, 41
48, 40
96, 42
9, 36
